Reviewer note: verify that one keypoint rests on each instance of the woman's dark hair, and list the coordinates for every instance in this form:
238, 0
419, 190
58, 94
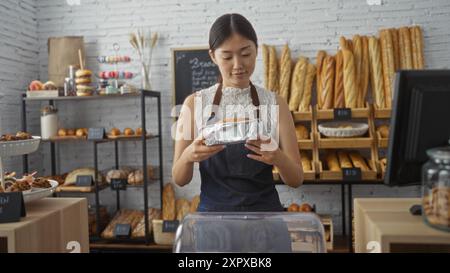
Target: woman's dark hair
226, 25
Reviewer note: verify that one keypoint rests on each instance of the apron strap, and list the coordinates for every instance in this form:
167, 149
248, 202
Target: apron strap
218, 98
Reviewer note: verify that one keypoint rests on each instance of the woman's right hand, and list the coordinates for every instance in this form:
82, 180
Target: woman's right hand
197, 151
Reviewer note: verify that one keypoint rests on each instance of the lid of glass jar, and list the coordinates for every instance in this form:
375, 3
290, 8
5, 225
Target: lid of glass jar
442, 153
49, 109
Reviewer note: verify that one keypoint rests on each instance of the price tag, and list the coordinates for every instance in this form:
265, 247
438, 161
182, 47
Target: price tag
342, 113
351, 174
12, 207
170, 226
119, 184
84, 181
96, 133
122, 231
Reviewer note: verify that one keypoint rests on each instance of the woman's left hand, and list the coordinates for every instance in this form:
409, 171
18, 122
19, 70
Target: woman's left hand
266, 151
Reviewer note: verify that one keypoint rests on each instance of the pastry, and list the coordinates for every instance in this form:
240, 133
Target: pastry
339, 101
50, 86
84, 90
83, 73
136, 177
285, 73
194, 204
83, 81
305, 207
387, 53
36, 86
293, 207
182, 207
327, 81
358, 161
80, 133
273, 70
70, 132
18, 186
384, 131
306, 161
319, 63
332, 161
62, 132
265, 54
305, 101
301, 132
139, 131
357, 58
376, 73
72, 176
23, 136
115, 132
168, 212
298, 83
41, 183
350, 85
128, 132
344, 160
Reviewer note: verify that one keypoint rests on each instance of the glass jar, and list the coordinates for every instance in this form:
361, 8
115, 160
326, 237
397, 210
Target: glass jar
49, 122
436, 188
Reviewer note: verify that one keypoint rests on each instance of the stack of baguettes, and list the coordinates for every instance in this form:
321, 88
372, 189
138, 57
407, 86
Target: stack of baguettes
292, 81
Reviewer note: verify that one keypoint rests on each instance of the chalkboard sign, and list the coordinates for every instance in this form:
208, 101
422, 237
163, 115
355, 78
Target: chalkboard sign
122, 231
84, 181
12, 207
351, 174
170, 226
342, 113
118, 184
193, 70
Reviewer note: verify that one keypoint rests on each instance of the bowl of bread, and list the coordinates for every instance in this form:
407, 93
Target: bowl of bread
343, 129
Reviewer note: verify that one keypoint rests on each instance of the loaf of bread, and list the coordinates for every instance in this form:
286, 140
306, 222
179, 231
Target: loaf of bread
395, 43
305, 101
404, 32
71, 178
285, 73
357, 58
301, 132
376, 73
365, 70
344, 160
343, 43
327, 78
116, 174
384, 131
124, 216
169, 210
387, 53
139, 230
306, 161
319, 64
194, 204
350, 86
332, 161
265, 56
293, 207
358, 161
298, 83
183, 207
339, 99
273, 70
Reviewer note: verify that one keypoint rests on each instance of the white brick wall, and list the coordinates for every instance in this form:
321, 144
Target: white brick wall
306, 25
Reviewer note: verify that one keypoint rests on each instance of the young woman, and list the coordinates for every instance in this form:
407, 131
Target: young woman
236, 177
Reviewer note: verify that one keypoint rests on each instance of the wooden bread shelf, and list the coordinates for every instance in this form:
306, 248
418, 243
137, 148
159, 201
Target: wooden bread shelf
308, 175
353, 142
306, 144
303, 116
322, 114
382, 112
337, 175
86, 189
382, 142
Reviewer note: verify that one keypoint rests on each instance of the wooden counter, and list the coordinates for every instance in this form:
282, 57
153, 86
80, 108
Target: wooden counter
51, 225
386, 225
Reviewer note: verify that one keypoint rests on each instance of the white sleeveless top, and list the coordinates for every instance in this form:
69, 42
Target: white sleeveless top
236, 102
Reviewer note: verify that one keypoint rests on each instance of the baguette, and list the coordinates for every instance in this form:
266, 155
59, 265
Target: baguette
388, 65
298, 83
332, 161
350, 90
365, 70
169, 209
327, 94
265, 55
339, 100
194, 204
358, 161
401, 50
404, 31
376, 72
357, 57
306, 161
394, 35
343, 43
319, 64
344, 160
412, 34
273, 70
183, 207
420, 47
285, 72
350, 45
305, 101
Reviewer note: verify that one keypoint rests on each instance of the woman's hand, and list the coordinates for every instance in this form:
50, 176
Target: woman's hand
266, 151
197, 151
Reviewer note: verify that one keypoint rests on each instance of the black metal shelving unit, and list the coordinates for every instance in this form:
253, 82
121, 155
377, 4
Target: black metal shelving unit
142, 95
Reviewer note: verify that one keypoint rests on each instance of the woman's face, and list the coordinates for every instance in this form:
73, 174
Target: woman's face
236, 59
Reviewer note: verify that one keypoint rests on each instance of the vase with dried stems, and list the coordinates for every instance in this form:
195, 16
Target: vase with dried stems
144, 45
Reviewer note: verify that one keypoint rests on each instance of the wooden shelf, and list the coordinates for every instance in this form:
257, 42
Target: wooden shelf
322, 114
79, 189
74, 98
382, 142
302, 116
382, 113
305, 144
337, 143
369, 176
84, 139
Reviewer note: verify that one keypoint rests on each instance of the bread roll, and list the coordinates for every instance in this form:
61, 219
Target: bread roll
344, 160
306, 161
138, 131
305, 101
168, 212
350, 86
339, 99
327, 78
265, 55
115, 132
70, 132
305, 207
194, 204
285, 73
183, 207
365, 70
293, 207
319, 64
298, 83
128, 132
62, 132
116, 174
387, 53
404, 32
332, 161
301, 132
273, 70
358, 161
357, 58
376, 73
